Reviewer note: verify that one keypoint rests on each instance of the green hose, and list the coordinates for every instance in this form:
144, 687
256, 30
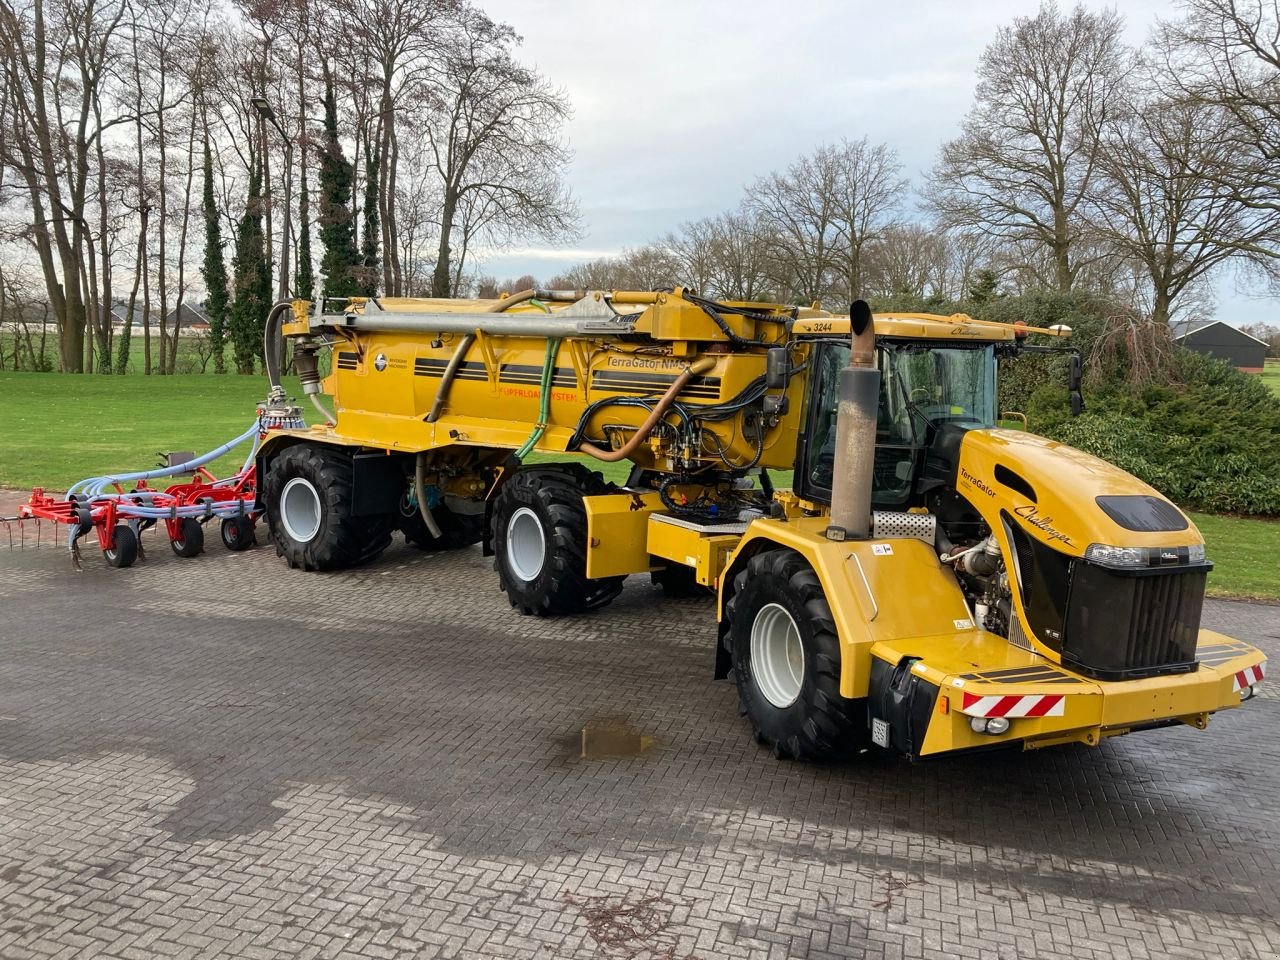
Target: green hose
544, 401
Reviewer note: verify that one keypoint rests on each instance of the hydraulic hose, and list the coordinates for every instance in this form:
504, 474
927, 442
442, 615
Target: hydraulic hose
544, 400
93, 485
420, 491
464, 345
659, 411
272, 345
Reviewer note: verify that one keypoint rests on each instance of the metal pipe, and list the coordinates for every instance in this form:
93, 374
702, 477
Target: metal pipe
328, 417
858, 393
455, 362
701, 365
420, 491
542, 325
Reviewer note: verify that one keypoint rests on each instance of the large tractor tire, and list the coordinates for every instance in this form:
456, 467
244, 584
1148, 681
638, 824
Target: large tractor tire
540, 541
786, 661
457, 529
308, 497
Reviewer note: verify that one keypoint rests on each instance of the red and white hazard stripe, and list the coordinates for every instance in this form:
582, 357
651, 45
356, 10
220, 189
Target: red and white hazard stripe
1249, 676
1031, 705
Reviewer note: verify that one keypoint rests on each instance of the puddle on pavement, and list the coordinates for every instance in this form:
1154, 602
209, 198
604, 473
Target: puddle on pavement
612, 737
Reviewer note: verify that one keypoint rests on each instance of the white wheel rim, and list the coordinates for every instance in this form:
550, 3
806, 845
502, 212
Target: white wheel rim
300, 510
526, 544
777, 655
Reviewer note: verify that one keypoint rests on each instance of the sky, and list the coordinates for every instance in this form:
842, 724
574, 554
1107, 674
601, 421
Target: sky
680, 104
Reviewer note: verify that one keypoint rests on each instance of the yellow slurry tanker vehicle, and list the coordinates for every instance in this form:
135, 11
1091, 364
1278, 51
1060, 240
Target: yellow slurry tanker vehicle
930, 584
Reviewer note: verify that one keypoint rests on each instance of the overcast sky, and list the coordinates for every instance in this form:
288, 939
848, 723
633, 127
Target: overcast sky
679, 104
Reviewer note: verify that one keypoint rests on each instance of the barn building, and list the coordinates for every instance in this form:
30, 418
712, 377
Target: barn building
1217, 339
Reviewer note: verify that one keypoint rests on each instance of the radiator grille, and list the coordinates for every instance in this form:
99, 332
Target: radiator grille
1124, 626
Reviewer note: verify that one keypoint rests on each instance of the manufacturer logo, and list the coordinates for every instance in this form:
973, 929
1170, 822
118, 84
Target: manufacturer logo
380, 362
975, 482
1033, 517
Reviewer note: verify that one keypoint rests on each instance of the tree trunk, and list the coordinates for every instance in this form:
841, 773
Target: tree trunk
1161, 305
442, 277
182, 245
104, 249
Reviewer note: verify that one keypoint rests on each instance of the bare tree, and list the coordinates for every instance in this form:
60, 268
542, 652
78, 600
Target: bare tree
908, 259
1159, 208
797, 212
54, 57
740, 261
1029, 150
494, 130
396, 41
1227, 53
869, 187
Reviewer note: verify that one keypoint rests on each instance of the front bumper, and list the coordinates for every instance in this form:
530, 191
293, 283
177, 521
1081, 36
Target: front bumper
960, 681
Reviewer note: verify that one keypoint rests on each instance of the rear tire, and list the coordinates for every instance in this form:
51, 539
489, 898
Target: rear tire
190, 542
125, 550
308, 497
540, 541
786, 661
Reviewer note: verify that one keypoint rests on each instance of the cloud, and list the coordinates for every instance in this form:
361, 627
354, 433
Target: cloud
680, 104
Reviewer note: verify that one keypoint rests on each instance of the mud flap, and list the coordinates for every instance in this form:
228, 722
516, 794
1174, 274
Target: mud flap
900, 706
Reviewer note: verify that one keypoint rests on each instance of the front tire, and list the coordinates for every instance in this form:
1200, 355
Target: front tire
309, 504
786, 661
540, 541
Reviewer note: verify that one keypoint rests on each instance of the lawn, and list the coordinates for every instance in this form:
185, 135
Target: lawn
56, 429
1271, 377
1244, 553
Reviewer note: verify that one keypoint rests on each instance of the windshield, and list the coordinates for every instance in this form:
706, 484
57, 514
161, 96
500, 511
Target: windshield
921, 385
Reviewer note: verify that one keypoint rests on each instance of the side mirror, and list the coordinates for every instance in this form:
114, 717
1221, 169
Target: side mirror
1073, 384
777, 368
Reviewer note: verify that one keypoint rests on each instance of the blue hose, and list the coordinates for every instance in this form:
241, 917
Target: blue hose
93, 486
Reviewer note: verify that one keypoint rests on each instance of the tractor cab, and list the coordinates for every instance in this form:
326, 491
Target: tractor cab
923, 385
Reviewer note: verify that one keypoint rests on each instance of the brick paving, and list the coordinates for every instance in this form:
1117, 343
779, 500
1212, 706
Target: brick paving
223, 757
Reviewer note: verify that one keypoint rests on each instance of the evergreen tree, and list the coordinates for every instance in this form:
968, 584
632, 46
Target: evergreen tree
369, 247
252, 281
304, 282
341, 262
984, 288
214, 270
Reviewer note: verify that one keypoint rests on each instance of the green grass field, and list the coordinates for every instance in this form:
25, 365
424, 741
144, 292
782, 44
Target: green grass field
1243, 552
56, 429
1271, 377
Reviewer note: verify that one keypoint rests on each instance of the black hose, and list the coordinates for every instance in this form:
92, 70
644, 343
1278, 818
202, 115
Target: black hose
273, 344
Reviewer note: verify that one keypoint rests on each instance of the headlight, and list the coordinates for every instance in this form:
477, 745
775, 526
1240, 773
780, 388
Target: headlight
1116, 556
1130, 557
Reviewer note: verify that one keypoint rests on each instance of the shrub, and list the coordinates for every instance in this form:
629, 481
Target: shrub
1212, 443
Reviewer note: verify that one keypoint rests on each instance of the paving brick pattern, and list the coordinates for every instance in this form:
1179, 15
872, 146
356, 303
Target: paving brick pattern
223, 757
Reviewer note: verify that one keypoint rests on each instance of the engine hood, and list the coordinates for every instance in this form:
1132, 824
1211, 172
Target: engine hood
1063, 497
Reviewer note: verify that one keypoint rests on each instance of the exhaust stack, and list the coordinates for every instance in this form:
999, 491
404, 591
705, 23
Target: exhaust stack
858, 400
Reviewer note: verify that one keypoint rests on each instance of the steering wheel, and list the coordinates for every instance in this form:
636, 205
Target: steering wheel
924, 395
